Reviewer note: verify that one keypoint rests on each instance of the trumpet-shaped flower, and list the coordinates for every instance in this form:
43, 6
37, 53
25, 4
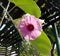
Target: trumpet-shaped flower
30, 27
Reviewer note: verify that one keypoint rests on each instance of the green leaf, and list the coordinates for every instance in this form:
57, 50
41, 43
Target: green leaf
29, 6
35, 0
43, 44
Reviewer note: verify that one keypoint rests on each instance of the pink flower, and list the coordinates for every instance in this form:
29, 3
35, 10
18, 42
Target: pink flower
30, 27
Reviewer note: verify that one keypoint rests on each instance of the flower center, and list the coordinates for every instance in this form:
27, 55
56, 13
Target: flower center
30, 27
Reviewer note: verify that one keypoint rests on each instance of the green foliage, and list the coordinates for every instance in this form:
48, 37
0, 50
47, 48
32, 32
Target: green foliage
43, 44
28, 50
35, 0
29, 6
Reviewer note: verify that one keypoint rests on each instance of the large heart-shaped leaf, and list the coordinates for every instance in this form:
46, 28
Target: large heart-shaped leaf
29, 6
43, 44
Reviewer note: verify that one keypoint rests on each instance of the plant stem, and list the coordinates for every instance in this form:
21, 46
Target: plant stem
52, 50
57, 38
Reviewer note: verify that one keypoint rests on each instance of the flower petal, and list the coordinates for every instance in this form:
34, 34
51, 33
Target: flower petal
39, 25
41, 21
27, 18
35, 34
27, 37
